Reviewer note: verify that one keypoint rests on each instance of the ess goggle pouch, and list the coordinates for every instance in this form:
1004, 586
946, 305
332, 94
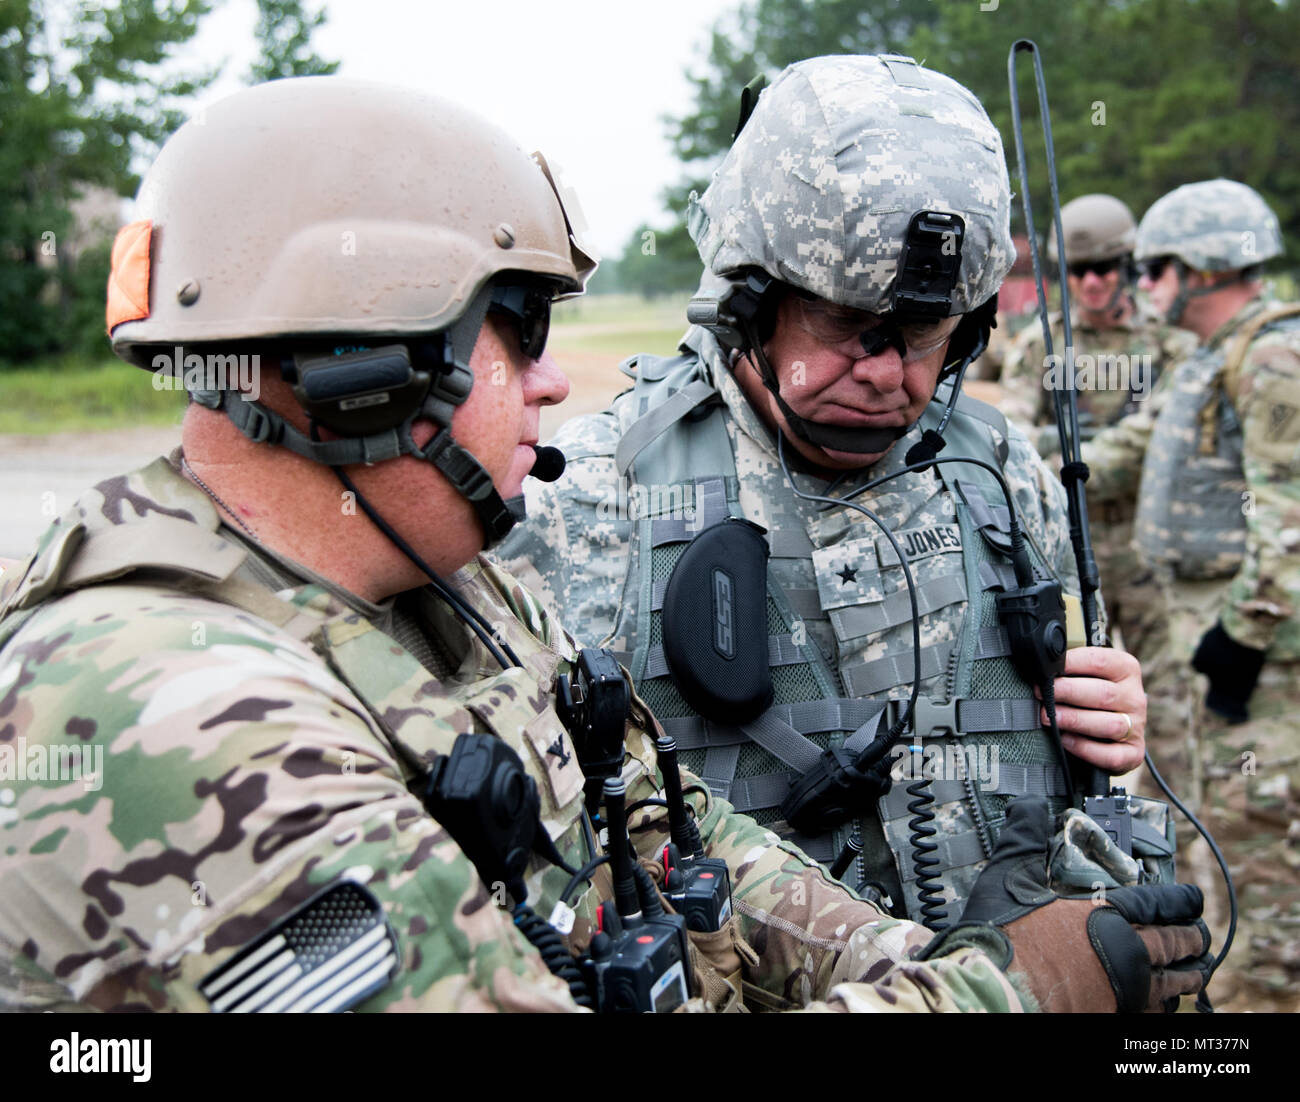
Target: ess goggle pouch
714, 623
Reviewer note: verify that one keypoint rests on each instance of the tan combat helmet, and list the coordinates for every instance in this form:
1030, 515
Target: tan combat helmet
1096, 227
320, 205
306, 210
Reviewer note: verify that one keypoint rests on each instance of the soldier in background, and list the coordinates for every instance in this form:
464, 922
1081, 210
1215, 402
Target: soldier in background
1120, 350
1219, 518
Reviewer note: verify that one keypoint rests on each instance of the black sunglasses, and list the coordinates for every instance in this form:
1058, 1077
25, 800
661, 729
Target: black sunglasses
1154, 268
1081, 268
529, 308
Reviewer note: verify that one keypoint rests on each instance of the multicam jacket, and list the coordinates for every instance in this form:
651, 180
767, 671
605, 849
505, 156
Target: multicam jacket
1122, 367
255, 737
1220, 464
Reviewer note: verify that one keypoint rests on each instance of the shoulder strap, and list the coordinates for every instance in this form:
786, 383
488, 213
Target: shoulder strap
1236, 354
186, 554
990, 415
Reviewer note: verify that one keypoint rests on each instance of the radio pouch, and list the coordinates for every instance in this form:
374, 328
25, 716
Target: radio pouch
715, 623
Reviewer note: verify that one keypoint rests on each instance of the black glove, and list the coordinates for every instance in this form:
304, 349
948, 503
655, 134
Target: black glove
1139, 950
1232, 669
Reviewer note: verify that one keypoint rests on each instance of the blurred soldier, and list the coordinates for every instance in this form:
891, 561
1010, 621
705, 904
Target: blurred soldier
270, 759
1119, 352
818, 340
1218, 515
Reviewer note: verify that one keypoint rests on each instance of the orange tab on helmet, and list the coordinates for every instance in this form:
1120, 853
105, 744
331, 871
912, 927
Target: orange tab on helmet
128, 280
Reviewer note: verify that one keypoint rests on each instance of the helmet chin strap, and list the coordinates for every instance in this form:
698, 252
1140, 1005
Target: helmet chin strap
450, 388
1174, 314
859, 441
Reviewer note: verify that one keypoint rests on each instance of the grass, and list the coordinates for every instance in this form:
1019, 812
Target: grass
66, 397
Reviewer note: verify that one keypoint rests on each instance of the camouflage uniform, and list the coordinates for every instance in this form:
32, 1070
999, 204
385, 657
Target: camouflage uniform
259, 729
1144, 340
1218, 513
832, 575
1237, 561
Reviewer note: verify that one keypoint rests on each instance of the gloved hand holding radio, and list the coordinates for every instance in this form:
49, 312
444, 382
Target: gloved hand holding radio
1136, 950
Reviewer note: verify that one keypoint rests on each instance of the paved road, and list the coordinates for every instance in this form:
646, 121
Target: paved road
41, 476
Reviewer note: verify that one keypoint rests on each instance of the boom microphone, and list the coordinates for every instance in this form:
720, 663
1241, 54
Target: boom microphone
549, 464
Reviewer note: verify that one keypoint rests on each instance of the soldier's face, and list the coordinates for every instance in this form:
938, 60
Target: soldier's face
835, 384
1092, 292
500, 420
1161, 291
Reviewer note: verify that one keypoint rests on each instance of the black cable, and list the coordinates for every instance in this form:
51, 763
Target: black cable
471, 616
895, 731
926, 866
649, 801
582, 874
651, 905
546, 940
1202, 999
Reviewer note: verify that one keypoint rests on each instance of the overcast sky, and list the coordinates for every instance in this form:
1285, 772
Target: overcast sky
585, 81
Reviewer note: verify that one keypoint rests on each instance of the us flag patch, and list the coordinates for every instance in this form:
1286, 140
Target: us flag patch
326, 956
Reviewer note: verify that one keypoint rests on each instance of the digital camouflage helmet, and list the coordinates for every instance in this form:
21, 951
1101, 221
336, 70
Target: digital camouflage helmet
1213, 226
867, 181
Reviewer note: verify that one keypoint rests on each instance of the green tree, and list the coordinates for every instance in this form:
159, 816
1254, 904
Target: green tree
1144, 94
760, 36
658, 262
283, 34
84, 93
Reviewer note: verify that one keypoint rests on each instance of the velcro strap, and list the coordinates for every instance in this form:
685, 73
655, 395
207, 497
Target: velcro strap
982, 513
781, 651
672, 530
976, 716
955, 851
710, 503
992, 642
805, 604
997, 575
1029, 779
760, 792
858, 620
863, 678
821, 849
893, 805
720, 769
652, 425
789, 541
783, 742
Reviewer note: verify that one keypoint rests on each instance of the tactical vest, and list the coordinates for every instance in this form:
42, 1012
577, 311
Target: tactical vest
676, 451
161, 551
1190, 508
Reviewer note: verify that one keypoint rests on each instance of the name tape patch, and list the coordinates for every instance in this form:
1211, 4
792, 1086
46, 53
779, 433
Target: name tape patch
917, 543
